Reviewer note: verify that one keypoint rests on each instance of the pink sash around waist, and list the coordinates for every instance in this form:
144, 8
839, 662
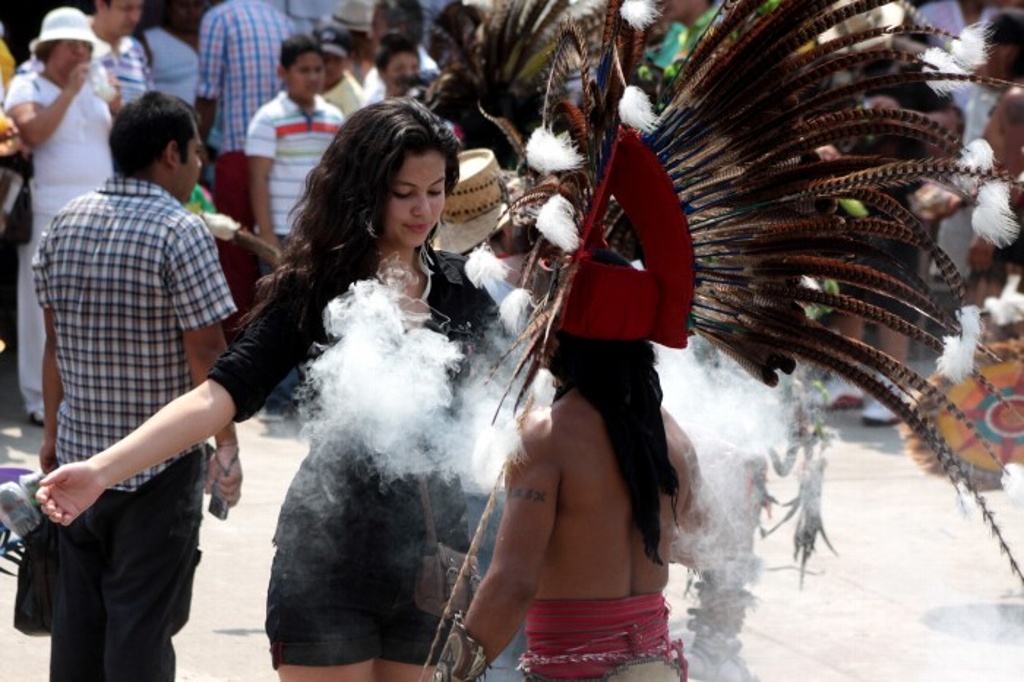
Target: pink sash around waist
575, 640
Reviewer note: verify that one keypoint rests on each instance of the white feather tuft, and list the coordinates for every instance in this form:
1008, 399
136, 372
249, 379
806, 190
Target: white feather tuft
513, 309
965, 501
1013, 483
1008, 308
639, 14
548, 153
938, 60
944, 88
992, 218
635, 110
978, 155
970, 50
483, 267
957, 360
970, 321
810, 283
556, 220
543, 388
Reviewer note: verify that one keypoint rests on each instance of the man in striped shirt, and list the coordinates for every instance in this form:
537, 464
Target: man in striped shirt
114, 22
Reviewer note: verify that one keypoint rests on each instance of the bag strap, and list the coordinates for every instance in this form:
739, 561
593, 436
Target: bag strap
428, 511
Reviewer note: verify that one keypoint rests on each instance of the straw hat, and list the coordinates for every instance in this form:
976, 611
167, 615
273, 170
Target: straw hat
472, 210
68, 23
355, 15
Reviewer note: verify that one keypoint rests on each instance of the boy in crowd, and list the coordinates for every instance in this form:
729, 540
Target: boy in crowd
287, 137
398, 65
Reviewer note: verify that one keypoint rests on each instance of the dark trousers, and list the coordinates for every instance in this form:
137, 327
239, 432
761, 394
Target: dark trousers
125, 581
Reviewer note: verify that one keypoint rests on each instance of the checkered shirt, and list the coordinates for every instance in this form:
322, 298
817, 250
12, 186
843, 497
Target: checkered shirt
125, 270
239, 48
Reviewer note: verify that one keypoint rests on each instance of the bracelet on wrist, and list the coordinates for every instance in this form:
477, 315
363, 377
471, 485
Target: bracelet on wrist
234, 458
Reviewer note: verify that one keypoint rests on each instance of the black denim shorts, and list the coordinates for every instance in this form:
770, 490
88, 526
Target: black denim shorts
346, 617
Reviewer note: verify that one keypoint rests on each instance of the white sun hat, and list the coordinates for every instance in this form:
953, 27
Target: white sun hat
68, 23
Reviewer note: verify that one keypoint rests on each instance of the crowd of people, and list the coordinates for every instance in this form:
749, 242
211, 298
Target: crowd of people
306, 124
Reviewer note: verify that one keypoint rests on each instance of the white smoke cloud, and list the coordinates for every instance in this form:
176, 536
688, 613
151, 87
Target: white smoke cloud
711, 396
386, 384
733, 421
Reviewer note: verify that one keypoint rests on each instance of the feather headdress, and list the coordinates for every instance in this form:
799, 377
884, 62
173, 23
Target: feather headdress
495, 64
735, 209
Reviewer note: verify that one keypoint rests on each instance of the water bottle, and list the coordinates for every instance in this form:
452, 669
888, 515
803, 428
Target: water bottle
18, 506
100, 82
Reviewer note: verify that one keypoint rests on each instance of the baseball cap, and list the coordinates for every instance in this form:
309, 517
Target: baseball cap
334, 38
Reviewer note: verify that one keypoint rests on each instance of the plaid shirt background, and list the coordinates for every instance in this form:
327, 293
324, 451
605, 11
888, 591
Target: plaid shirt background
126, 270
239, 49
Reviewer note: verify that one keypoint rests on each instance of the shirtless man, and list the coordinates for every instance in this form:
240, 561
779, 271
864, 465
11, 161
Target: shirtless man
602, 488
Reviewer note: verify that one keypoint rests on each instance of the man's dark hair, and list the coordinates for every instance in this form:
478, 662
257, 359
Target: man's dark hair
392, 44
145, 126
1007, 28
297, 45
619, 379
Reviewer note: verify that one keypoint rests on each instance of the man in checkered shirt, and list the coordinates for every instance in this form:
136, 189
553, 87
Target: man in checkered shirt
133, 298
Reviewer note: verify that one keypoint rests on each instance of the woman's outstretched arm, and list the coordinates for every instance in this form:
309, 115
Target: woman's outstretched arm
185, 421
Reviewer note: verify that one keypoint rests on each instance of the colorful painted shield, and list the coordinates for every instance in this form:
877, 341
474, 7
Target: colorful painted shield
1001, 423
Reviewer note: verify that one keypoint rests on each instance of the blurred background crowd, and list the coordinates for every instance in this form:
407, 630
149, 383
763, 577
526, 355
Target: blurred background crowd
273, 80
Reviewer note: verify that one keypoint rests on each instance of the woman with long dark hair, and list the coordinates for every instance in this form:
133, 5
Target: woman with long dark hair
350, 536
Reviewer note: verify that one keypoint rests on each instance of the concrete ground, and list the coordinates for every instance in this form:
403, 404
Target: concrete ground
916, 593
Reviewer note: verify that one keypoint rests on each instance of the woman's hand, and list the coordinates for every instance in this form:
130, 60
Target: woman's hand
69, 491
76, 79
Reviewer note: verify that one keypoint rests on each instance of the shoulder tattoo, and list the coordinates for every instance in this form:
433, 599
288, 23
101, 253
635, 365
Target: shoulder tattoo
528, 494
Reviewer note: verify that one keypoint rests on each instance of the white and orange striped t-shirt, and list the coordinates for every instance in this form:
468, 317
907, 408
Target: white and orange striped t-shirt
295, 140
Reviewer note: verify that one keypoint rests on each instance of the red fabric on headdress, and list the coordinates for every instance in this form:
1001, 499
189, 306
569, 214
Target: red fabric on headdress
611, 302
630, 304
